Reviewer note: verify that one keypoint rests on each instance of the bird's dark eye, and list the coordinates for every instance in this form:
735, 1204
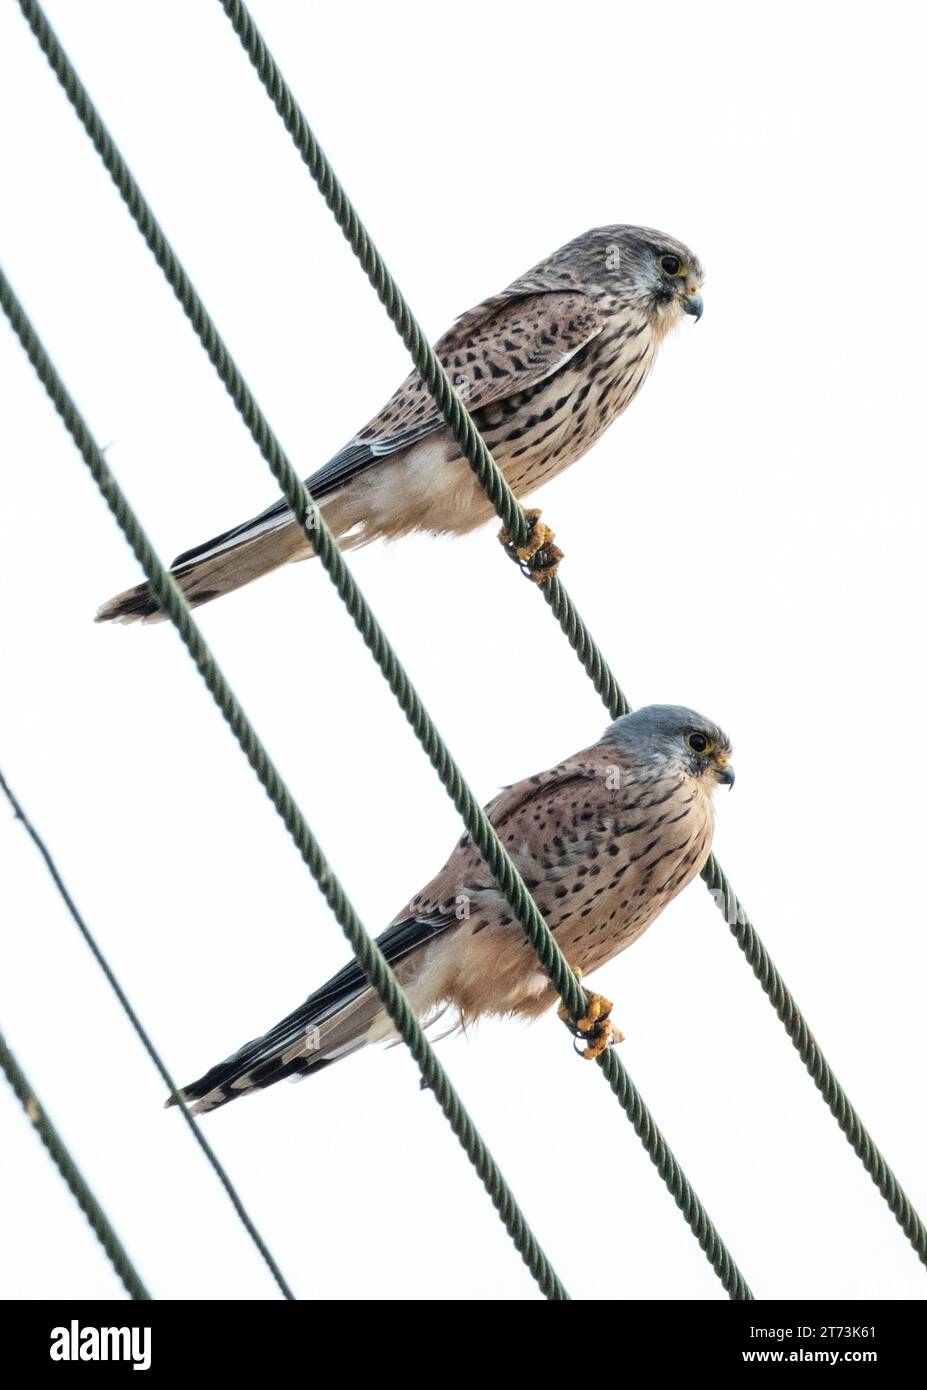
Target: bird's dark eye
672, 265
699, 743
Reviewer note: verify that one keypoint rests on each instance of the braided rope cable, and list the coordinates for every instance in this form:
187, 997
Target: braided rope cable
368, 953
147, 1044
572, 625
61, 1157
307, 514
838, 1103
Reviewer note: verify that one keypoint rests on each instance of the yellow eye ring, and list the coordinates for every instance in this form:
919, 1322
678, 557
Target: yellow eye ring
699, 743
671, 265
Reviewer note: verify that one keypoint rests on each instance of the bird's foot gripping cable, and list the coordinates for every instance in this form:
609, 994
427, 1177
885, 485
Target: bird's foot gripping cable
538, 558
595, 1028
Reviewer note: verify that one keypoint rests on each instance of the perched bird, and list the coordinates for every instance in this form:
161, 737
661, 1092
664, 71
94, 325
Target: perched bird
603, 841
544, 367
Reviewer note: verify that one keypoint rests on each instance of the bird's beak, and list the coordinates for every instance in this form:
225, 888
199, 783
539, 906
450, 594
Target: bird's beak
692, 304
725, 776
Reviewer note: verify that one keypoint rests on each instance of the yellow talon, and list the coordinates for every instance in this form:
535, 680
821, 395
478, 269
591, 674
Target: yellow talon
539, 557
595, 1027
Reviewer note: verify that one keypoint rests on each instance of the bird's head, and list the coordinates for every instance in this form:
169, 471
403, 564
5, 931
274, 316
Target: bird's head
649, 269
671, 736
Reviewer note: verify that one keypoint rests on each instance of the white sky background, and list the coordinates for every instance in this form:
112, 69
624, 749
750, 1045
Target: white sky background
747, 540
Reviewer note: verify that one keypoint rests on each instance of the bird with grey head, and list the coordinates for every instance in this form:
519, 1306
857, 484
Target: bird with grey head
642, 267
672, 736
544, 368
603, 841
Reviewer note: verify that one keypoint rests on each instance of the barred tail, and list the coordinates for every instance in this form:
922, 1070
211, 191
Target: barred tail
338, 1019
299, 1044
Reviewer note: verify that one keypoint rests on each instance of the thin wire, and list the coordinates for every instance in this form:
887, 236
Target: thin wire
571, 623
368, 953
77, 1184
144, 1038
318, 534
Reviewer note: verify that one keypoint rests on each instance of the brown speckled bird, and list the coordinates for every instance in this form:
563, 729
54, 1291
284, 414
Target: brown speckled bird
603, 841
544, 367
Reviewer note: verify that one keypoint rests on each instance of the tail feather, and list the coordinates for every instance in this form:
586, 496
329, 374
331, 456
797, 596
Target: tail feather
338, 1019
308, 1044
256, 547
224, 564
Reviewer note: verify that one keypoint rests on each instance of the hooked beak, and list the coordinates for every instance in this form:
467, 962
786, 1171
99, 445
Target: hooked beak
725, 776
692, 304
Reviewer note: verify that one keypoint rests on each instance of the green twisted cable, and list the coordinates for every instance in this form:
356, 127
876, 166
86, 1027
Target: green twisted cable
61, 1157
838, 1103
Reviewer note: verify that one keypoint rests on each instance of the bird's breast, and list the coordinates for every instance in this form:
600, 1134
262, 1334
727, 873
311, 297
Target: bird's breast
535, 436
601, 864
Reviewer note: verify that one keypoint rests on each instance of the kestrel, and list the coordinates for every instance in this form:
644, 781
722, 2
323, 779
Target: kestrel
544, 368
603, 841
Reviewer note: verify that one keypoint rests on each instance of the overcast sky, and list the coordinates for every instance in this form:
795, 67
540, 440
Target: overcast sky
748, 540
